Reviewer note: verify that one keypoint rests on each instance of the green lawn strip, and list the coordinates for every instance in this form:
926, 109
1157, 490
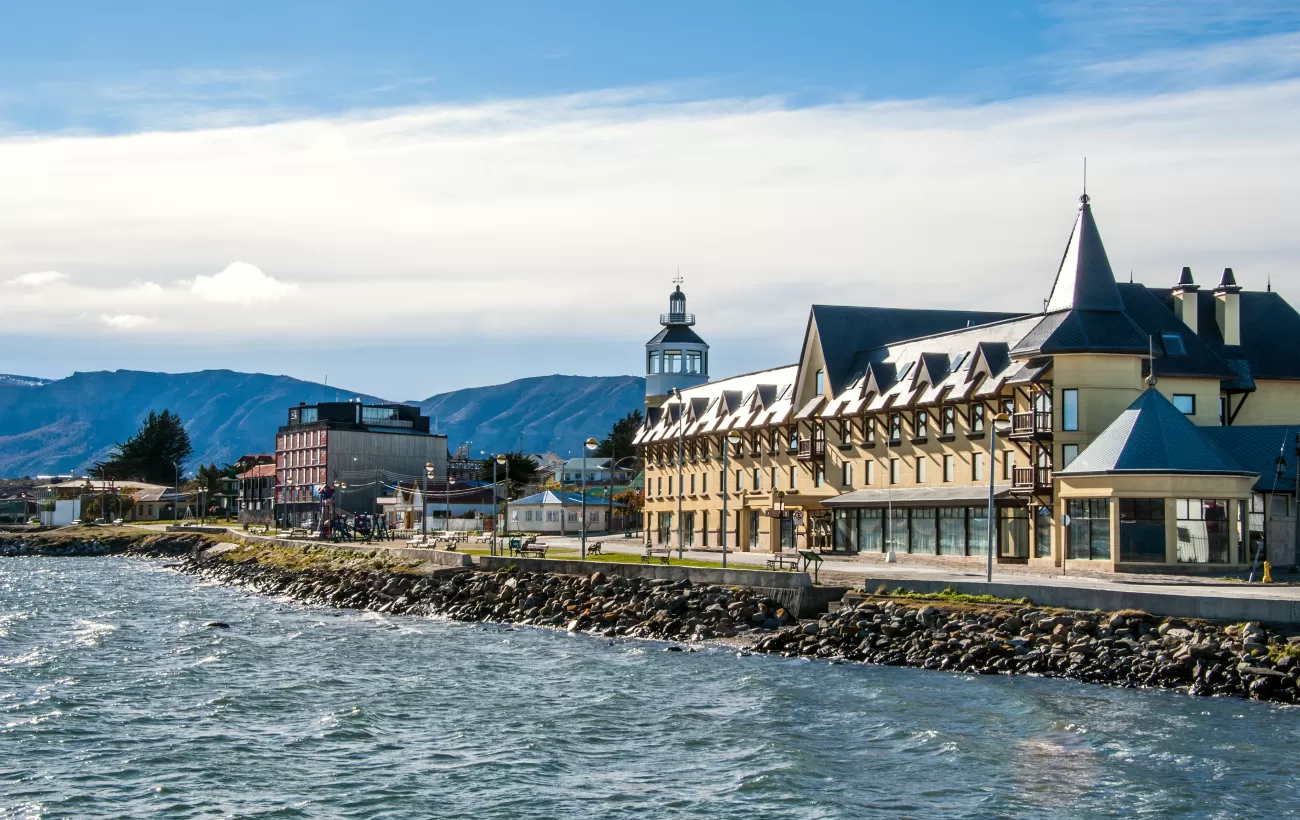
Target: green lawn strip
950, 595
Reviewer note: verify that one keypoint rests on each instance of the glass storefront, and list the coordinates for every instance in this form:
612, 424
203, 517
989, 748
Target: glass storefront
1088, 536
1142, 530
1013, 532
952, 530
924, 533
1202, 530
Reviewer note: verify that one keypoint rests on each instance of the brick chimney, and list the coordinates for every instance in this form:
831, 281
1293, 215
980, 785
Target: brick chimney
1227, 308
1185, 299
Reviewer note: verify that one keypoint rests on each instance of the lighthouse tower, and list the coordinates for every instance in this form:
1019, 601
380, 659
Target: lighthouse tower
676, 357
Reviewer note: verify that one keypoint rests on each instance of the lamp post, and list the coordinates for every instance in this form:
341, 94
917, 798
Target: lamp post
424, 504
681, 454
288, 487
1001, 423
447, 498
499, 461
588, 447
731, 440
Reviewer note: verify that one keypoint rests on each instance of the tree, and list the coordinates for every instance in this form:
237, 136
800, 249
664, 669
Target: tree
153, 454
635, 501
618, 444
519, 471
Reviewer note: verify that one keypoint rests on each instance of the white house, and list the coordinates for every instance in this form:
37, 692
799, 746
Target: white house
596, 470
554, 512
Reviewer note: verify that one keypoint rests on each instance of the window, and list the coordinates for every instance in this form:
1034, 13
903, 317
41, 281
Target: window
1142, 529
846, 432
948, 421
924, 532
670, 485
1070, 409
870, 472
920, 469
652, 366
922, 426
1069, 452
740, 480
704, 483
1088, 536
672, 361
1202, 530
692, 483
952, 530
895, 428
793, 437
894, 471
868, 430
820, 382
528, 515
846, 480
758, 479
1173, 343
819, 476
1008, 465
660, 482
1281, 506
794, 478
694, 361
772, 478
1223, 411
948, 469
1185, 403
977, 418
722, 481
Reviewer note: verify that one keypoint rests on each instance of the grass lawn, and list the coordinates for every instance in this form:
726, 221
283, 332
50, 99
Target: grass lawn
618, 558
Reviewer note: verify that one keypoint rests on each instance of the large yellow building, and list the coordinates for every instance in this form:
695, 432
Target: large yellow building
879, 438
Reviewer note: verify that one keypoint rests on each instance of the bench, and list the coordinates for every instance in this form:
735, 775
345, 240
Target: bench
533, 549
594, 548
663, 553
258, 529
813, 559
781, 560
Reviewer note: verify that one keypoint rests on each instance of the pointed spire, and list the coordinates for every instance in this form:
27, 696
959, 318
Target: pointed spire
1085, 280
1228, 284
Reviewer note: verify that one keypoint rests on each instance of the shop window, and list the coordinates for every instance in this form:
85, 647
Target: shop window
1043, 532
1202, 530
1142, 529
924, 531
1088, 536
952, 530
871, 530
897, 533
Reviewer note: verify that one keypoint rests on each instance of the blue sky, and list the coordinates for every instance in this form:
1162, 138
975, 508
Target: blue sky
419, 196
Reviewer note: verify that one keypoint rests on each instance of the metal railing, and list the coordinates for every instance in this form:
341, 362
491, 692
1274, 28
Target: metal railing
810, 449
676, 318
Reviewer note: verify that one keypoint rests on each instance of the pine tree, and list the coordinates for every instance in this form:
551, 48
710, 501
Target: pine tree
154, 454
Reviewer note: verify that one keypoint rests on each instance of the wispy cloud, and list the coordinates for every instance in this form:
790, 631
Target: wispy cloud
127, 321
37, 279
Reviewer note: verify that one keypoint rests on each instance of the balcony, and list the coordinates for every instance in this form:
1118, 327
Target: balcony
1032, 424
676, 318
812, 449
1031, 480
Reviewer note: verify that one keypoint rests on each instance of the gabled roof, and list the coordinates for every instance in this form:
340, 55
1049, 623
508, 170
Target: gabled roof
1084, 281
260, 471
1153, 436
845, 331
550, 498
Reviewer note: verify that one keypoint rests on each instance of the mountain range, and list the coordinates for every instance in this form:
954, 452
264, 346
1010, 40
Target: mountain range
67, 424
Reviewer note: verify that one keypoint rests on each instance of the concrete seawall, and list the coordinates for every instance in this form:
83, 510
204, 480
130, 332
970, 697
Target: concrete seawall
1214, 606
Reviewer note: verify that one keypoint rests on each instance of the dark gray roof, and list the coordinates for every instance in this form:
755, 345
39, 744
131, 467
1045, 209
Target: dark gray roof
1266, 318
1152, 436
1083, 331
1153, 313
1256, 448
676, 334
919, 497
1228, 281
1084, 281
845, 331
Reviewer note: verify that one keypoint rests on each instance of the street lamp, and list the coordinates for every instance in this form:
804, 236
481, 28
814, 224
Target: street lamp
1001, 424
447, 498
732, 439
588, 447
778, 507
499, 461
424, 504
288, 491
681, 456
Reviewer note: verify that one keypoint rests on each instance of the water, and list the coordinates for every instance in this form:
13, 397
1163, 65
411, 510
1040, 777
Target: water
116, 701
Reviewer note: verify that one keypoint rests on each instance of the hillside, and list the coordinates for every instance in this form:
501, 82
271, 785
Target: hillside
70, 423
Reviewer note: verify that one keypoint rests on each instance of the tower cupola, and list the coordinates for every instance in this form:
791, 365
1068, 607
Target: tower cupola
676, 357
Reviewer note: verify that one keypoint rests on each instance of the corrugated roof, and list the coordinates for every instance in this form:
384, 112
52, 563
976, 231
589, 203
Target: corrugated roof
1152, 436
550, 498
920, 497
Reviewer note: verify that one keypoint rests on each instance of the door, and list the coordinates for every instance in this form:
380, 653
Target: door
755, 518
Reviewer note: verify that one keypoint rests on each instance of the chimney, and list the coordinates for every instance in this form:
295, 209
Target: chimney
1227, 308
1185, 299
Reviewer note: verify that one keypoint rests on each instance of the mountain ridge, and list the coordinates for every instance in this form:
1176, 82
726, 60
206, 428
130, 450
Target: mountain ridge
66, 424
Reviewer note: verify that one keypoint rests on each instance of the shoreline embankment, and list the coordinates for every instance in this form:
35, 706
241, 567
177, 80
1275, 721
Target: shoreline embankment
1128, 648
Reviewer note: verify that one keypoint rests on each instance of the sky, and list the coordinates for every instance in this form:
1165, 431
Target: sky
404, 198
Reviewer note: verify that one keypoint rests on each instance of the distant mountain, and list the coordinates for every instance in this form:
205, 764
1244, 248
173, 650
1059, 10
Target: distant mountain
59, 426
538, 414
7, 380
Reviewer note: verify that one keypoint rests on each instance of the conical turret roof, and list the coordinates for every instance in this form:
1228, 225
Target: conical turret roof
1085, 280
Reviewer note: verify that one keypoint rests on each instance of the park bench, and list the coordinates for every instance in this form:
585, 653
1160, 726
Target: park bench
782, 560
258, 529
811, 559
533, 549
662, 553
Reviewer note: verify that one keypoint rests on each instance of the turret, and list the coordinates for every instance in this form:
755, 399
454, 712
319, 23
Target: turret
676, 357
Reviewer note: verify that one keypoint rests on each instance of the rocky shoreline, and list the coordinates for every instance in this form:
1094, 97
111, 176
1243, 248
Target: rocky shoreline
1130, 649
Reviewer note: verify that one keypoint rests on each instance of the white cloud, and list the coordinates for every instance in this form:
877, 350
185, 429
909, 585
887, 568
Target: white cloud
127, 321
241, 283
37, 279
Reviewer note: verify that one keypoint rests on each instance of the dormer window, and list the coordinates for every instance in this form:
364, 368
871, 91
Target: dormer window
1173, 343
820, 382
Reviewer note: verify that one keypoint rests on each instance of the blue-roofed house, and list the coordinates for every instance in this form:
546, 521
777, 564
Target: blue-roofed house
561, 513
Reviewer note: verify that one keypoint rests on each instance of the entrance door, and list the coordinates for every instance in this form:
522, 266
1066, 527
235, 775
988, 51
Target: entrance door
755, 518
787, 532
688, 528
665, 527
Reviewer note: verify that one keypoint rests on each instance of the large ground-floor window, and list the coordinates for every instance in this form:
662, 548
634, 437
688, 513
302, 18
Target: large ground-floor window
1202, 530
688, 528
1088, 536
916, 530
952, 530
755, 518
1043, 532
1142, 529
924, 535
665, 527
1013, 532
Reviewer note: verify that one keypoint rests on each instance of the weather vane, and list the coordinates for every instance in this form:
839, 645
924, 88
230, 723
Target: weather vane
678, 280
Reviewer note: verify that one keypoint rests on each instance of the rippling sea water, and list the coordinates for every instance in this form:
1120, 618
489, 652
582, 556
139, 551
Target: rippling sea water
117, 701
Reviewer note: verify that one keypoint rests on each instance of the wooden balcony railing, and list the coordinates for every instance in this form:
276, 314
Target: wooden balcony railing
811, 449
1034, 479
1032, 423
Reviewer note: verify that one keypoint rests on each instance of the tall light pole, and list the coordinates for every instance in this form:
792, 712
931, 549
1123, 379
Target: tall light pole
681, 455
447, 496
1001, 422
499, 461
731, 440
424, 504
588, 447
